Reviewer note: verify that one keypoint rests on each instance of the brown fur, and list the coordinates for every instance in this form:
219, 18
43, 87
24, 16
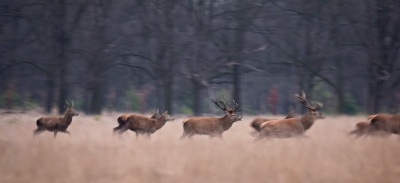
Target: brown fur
55, 124
362, 128
258, 121
286, 128
385, 122
212, 126
123, 118
144, 125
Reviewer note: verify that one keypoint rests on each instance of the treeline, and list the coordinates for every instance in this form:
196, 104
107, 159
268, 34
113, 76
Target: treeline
176, 54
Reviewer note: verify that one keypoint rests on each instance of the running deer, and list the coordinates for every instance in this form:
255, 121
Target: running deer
287, 128
258, 121
56, 124
144, 125
362, 128
386, 123
123, 118
212, 126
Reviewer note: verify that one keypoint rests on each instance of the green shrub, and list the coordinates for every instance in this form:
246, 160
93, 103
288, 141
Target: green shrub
133, 99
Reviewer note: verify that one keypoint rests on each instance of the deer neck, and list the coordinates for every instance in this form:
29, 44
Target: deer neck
67, 119
226, 122
160, 122
307, 121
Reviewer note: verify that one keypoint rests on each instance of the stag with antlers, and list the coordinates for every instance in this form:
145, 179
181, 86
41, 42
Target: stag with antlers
286, 128
212, 126
56, 124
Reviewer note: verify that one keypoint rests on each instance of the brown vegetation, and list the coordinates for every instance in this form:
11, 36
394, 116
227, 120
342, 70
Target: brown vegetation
95, 156
286, 128
144, 125
211, 126
58, 123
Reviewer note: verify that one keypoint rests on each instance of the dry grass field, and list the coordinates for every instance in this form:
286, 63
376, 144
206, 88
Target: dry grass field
94, 154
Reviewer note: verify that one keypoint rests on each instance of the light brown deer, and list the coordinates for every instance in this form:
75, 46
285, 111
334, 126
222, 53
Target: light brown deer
362, 128
145, 125
123, 118
58, 123
212, 126
258, 121
386, 123
287, 128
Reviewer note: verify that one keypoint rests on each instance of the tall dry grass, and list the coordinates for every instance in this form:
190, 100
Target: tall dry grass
93, 154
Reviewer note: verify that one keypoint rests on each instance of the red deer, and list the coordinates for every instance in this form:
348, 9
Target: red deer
362, 128
386, 123
144, 125
211, 126
286, 128
56, 124
123, 118
258, 121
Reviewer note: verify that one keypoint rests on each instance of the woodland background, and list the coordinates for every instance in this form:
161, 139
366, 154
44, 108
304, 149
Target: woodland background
136, 55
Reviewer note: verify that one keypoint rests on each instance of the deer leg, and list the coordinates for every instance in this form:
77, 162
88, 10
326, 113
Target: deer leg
260, 137
38, 131
191, 135
117, 128
55, 134
123, 129
67, 132
220, 137
137, 135
148, 135
185, 134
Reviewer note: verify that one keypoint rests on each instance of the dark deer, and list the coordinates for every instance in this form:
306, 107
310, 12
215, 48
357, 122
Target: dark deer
144, 125
56, 124
212, 126
287, 128
123, 118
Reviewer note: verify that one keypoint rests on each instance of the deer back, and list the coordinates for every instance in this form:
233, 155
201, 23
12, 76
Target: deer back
380, 121
282, 128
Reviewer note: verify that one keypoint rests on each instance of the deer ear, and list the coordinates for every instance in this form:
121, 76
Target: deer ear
166, 112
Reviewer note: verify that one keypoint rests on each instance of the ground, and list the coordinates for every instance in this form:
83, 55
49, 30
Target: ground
94, 154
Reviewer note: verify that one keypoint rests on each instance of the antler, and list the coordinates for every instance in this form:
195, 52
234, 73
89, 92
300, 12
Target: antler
235, 106
222, 102
225, 108
303, 99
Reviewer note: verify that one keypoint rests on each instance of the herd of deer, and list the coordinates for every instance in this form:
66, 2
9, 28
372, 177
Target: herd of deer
291, 126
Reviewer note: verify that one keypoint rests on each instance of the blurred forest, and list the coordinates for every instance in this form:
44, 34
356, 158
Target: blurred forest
137, 55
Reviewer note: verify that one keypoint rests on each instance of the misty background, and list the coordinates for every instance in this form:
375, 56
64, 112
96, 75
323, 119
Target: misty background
137, 55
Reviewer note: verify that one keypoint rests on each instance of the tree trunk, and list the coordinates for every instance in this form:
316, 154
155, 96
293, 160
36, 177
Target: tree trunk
63, 88
236, 84
97, 97
197, 91
168, 96
237, 56
50, 93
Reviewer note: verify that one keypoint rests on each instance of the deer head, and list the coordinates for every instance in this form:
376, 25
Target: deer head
230, 112
70, 109
166, 116
312, 109
155, 114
